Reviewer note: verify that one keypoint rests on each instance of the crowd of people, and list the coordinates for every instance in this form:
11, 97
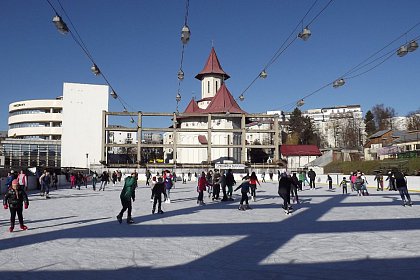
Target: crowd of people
217, 184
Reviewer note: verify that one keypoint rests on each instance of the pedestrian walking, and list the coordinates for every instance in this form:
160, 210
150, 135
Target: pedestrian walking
15, 200
127, 194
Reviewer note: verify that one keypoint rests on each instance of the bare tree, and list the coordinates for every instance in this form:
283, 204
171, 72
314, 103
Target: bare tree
413, 120
383, 116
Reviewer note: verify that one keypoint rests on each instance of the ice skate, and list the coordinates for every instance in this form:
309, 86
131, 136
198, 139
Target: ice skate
119, 218
130, 221
23, 227
241, 208
160, 212
247, 207
11, 229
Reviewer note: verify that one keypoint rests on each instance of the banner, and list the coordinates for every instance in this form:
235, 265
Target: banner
229, 166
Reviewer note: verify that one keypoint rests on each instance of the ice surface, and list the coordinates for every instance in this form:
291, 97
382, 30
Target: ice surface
75, 235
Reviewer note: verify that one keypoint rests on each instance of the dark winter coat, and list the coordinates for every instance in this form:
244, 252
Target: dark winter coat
128, 191
158, 189
15, 198
244, 187
230, 181
285, 185
400, 180
311, 175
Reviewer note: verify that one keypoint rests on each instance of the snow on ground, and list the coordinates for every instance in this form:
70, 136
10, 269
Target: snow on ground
75, 235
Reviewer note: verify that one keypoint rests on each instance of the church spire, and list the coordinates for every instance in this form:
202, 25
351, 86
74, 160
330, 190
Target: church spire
212, 66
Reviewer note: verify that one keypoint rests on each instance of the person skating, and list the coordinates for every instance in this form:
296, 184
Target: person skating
201, 188
343, 184
401, 184
104, 180
128, 193
253, 181
245, 186
157, 190
222, 182
230, 181
14, 199
284, 192
379, 178
312, 176
45, 181
168, 186
216, 185
294, 187
94, 180
329, 181
23, 180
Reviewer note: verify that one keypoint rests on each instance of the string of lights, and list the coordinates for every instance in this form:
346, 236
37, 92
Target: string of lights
304, 34
63, 28
410, 46
185, 38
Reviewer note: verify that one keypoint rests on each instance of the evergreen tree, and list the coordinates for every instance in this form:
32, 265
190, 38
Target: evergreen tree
369, 123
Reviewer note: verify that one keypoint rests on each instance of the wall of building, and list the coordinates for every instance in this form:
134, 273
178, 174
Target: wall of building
82, 123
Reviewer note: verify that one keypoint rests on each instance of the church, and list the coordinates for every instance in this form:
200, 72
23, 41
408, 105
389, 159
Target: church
216, 100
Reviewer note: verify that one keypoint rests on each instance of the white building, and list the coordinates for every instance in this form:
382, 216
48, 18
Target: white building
36, 119
82, 124
215, 99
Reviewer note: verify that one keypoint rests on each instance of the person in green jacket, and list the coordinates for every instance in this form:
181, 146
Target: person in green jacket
127, 194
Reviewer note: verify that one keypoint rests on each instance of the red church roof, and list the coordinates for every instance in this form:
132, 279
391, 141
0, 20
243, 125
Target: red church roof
299, 150
223, 102
192, 107
212, 67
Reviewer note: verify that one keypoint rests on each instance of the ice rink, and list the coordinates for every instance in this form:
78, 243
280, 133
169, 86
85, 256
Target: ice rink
75, 235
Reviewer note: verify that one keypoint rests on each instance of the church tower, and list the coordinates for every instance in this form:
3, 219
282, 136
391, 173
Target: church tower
212, 77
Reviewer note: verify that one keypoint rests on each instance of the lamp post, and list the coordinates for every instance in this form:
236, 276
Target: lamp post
87, 162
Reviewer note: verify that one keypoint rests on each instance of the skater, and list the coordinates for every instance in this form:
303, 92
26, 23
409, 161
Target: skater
294, 187
312, 176
23, 181
270, 174
329, 181
222, 182
14, 199
9, 180
114, 177
343, 184
104, 180
54, 181
230, 181
119, 175
401, 184
263, 177
72, 181
253, 181
94, 180
79, 180
301, 180
391, 183
189, 176
201, 187
157, 191
128, 193
358, 184
148, 176
245, 186
209, 178
216, 185
45, 181
284, 192
168, 186
379, 181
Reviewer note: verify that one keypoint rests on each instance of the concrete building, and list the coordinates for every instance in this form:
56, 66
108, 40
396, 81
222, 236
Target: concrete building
82, 123
36, 119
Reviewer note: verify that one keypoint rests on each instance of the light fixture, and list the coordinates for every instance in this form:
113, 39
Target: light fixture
114, 95
185, 34
402, 51
180, 75
300, 103
338, 83
242, 97
263, 74
132, 120
60, 24
95, 69
178, 97
412, 46
305, 34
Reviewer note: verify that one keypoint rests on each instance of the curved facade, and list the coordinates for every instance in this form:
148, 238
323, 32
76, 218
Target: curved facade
36, 119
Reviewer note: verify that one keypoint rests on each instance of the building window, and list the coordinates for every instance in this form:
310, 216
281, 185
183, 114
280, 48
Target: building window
417, 146
208, 86
217, 85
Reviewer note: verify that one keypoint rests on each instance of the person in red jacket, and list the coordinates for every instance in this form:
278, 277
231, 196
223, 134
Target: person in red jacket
14, 199
253, 181
202, 184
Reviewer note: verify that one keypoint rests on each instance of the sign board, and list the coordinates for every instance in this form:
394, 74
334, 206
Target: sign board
229, 166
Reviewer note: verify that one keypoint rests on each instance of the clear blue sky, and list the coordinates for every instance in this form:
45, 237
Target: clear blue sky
137, 45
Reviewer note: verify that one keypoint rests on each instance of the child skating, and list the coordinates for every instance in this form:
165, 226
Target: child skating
127, 194
343, 184
15, 199
245, 186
